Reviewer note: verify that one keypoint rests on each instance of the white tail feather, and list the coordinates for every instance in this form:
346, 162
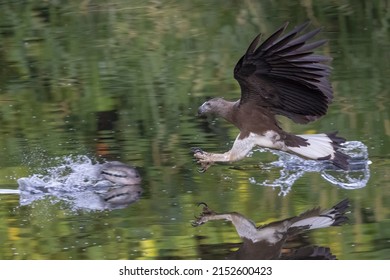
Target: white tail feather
320, 146
315, 222
326, 218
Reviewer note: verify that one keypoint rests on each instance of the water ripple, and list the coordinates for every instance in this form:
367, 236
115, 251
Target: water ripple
76, 181
294, 167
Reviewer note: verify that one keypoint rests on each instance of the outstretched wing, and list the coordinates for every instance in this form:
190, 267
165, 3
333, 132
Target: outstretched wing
283, 75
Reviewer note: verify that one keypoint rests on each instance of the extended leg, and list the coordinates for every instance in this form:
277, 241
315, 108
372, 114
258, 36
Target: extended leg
209, 215
244, 227
240, 149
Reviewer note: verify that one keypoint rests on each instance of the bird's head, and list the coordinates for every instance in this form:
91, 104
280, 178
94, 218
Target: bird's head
211, 107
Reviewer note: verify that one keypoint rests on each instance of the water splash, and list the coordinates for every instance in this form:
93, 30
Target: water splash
294, 167
75, 180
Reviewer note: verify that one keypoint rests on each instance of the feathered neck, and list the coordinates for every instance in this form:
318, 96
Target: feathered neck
226, 109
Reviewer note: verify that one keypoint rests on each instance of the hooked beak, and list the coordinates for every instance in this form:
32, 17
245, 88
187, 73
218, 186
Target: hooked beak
202, 111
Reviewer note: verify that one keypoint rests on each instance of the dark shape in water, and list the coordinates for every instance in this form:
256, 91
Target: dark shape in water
110, 185
120, 173
268, 241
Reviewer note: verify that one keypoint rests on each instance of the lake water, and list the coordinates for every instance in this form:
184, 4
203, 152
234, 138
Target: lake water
91, 81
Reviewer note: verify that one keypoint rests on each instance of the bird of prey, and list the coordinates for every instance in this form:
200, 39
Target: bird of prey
267, 241
281, 76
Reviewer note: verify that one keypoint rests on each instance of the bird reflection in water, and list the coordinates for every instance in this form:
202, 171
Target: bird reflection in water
270, 241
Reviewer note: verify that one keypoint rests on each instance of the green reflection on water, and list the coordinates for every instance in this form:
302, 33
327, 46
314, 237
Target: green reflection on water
123, 80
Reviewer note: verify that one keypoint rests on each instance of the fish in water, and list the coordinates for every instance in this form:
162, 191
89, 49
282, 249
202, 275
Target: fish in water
91, 186
120, 173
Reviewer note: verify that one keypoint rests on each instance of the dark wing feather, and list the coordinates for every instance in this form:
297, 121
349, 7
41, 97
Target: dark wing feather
283, 75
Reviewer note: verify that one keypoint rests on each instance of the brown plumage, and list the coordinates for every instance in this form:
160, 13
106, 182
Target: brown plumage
282, 76
267, 241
